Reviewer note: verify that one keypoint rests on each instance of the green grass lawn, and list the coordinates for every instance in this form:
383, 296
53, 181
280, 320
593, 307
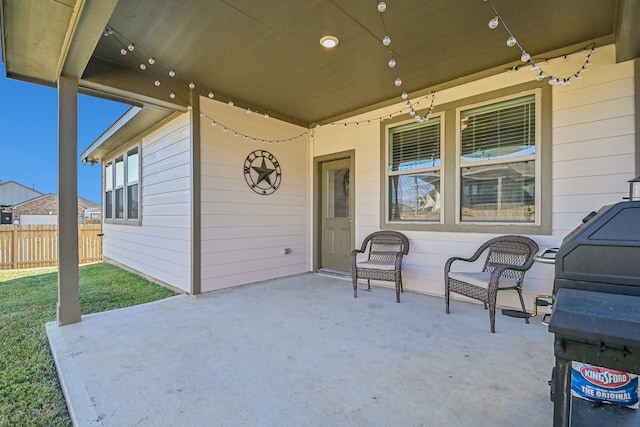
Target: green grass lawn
30, 393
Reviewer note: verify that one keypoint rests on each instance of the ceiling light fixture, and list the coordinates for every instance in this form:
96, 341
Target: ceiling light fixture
329, 42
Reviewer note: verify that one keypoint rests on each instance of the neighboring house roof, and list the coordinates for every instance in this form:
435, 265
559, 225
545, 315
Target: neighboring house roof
83, 203
13, 193
35, 199
87, 204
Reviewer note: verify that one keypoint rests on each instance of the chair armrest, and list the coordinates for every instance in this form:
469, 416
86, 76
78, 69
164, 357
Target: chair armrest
398, 263
354, 258
447, 265
355, 252
497, 272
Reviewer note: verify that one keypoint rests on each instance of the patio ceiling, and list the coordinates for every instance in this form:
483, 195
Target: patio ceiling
265, 55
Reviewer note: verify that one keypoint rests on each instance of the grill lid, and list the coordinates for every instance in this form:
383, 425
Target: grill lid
597, 317
604, 250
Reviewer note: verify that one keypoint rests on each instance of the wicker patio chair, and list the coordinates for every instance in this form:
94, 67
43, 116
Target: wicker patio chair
508, 258
384, 250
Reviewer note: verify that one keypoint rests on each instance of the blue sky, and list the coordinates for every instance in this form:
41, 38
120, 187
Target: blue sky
29, 135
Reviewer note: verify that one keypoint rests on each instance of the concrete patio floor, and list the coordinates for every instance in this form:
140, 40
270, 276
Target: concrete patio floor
301, 351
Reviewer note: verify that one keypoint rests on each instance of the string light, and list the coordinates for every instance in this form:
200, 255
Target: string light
386, 41
526, 57
192, 85
381, 6
126, 47
411, 106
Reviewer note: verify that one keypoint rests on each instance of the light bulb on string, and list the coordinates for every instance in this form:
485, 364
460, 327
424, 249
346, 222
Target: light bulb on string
172, 73
157, 83
143, 67
392, 63
386, 40
230, 103
189, 107
398, 82
172, 95
192, 85
123, 51
382, 6
131, 47
526, 57
152, 61
211, 95
404, 95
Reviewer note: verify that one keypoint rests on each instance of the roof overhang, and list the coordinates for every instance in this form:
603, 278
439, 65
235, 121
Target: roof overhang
266, 55
133, 124
44, 39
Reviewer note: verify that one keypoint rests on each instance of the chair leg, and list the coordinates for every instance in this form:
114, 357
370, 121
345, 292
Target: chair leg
492, 311
355, 286
446, 298
398, 287
524, 309
368, 284
492, 317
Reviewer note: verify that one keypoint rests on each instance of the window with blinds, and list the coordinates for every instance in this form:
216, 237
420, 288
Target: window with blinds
414, 171
415, 146
497, 162
497, 131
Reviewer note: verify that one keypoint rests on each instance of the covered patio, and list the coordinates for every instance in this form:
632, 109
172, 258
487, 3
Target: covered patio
302, 351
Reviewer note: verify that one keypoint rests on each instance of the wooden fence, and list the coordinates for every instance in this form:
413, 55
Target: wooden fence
28, 246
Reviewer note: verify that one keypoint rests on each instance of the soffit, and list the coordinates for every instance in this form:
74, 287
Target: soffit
266, 55
34, 34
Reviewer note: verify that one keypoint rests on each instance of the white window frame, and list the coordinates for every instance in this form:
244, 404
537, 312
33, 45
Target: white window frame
536, 157
125, 220
540, 224
389, 173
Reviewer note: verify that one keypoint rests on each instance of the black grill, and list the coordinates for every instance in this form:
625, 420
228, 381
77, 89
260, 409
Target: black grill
596, 310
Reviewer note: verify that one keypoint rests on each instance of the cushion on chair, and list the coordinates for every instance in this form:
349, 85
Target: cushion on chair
378, 265
481, 279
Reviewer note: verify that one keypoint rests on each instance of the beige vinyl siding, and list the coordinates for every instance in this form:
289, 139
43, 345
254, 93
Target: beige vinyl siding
243, 233
159, 247
594, 143
593, 157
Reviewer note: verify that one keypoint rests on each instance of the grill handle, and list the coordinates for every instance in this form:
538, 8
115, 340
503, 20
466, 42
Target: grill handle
546, 255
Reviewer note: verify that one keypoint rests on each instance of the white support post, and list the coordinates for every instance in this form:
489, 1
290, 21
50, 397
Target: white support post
68, 275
